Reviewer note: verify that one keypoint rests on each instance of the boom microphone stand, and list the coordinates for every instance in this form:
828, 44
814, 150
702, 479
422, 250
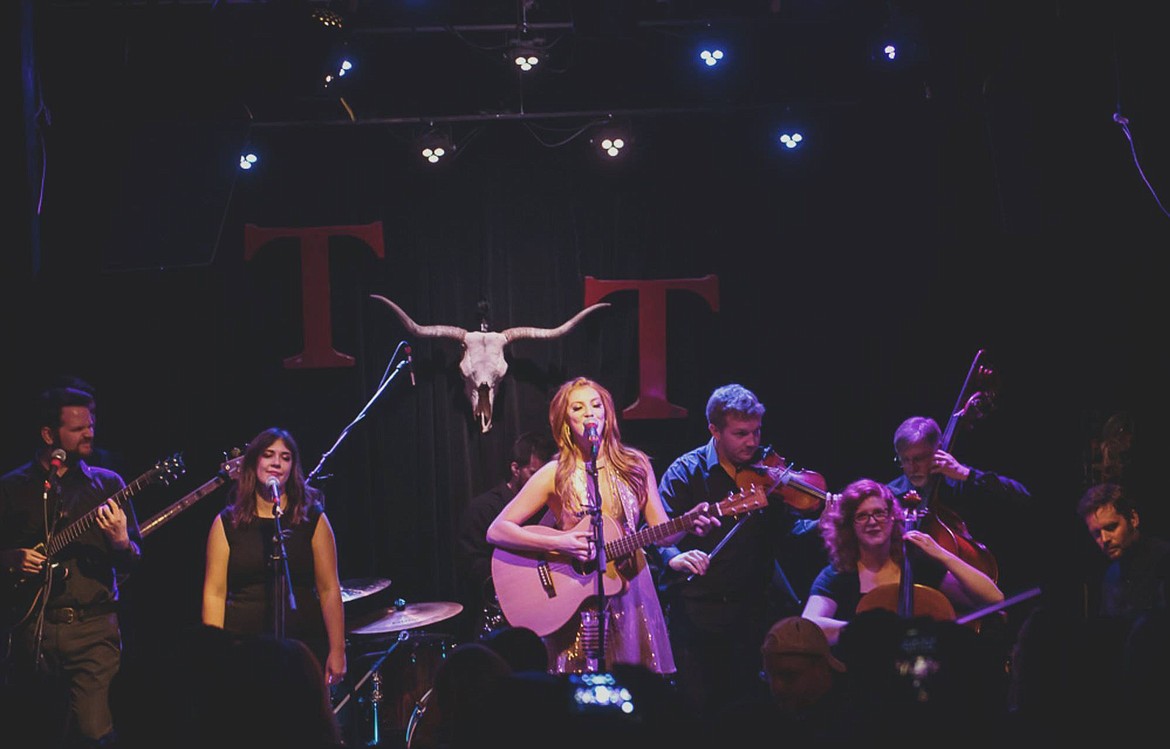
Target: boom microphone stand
386, 380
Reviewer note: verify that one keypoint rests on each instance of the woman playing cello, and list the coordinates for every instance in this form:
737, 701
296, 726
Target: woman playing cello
863, 533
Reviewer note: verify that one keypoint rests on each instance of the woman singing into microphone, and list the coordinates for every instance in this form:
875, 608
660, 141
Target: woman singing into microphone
584, 424
239, 578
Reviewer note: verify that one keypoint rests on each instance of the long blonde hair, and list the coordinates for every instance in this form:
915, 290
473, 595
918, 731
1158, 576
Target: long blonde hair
627, 463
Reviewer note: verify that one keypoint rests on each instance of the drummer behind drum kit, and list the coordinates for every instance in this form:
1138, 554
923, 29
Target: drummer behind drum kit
390, 635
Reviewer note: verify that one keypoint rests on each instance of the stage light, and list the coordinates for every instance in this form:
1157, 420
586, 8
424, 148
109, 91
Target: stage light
343, 67
330, 19
791, 140
328, 36
711, 57
248, 161
899, 43
526, 55
435, 146
612, 142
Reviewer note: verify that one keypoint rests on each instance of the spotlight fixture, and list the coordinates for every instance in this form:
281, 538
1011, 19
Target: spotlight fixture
435, 146
327, 35
526, 55
330, 19
791, 140
899, 43
248, 160
711, 57
790, 130
612, 146
343, 66
612, 142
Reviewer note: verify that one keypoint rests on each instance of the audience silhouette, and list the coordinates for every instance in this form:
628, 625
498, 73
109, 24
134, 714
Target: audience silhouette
210, 687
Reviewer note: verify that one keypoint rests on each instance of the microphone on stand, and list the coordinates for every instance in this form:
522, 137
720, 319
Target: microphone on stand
274, 490
410, 364
56, 460
593, 436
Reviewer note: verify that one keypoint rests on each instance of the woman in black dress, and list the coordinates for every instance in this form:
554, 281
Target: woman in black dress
239, 580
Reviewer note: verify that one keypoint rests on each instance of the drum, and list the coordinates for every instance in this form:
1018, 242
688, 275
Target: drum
386, 703
413, 673
418, 717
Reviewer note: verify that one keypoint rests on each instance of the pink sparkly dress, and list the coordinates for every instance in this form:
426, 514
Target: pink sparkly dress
635, 631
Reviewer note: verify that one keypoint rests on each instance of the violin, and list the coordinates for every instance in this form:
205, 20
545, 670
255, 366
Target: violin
800, 490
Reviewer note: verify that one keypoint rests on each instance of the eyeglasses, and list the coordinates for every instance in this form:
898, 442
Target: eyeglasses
879, 516
909, 460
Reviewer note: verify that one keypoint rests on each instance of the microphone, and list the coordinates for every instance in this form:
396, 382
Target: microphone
56, 460
274, 489
592, 435
410, 364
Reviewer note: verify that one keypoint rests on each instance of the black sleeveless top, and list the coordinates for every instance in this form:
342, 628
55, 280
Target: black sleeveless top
251, 581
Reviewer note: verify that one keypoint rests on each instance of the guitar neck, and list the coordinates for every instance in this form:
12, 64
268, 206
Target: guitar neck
631, 543
744, 501
156, 522
73, 531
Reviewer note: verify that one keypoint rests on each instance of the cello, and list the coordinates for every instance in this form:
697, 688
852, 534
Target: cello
946, 527
936, 519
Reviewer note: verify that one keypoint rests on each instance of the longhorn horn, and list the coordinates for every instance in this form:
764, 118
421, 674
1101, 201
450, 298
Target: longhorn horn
423, 331
515, 334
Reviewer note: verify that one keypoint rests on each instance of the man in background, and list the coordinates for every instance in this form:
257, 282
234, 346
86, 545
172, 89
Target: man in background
530, 451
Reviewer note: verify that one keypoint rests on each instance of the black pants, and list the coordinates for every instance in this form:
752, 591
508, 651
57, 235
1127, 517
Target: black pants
717, 651
64, 701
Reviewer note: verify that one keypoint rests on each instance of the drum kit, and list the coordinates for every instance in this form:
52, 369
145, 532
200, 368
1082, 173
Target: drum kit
392, 639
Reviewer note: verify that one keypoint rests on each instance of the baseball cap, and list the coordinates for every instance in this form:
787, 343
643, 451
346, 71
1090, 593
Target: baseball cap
795, 634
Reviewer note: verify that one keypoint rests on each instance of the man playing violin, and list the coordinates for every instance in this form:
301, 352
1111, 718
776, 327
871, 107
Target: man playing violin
723, 591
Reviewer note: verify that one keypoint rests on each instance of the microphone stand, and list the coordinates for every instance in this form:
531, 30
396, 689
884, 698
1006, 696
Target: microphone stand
282, 589
595, 660
47, 574
386, 380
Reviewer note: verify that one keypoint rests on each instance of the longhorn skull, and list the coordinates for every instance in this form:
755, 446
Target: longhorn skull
483, 364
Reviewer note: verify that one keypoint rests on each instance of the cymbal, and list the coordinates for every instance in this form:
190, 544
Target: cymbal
351, 590
407, 616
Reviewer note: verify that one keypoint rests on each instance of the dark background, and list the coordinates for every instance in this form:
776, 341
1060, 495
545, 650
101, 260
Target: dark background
982, 197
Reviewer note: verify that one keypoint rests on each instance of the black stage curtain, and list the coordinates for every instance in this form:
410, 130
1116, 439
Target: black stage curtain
855, 286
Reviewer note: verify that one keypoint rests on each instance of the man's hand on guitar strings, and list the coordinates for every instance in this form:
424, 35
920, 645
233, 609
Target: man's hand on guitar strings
702, 522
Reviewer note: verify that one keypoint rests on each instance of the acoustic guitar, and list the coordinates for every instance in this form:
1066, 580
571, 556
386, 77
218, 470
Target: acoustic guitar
541, 590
